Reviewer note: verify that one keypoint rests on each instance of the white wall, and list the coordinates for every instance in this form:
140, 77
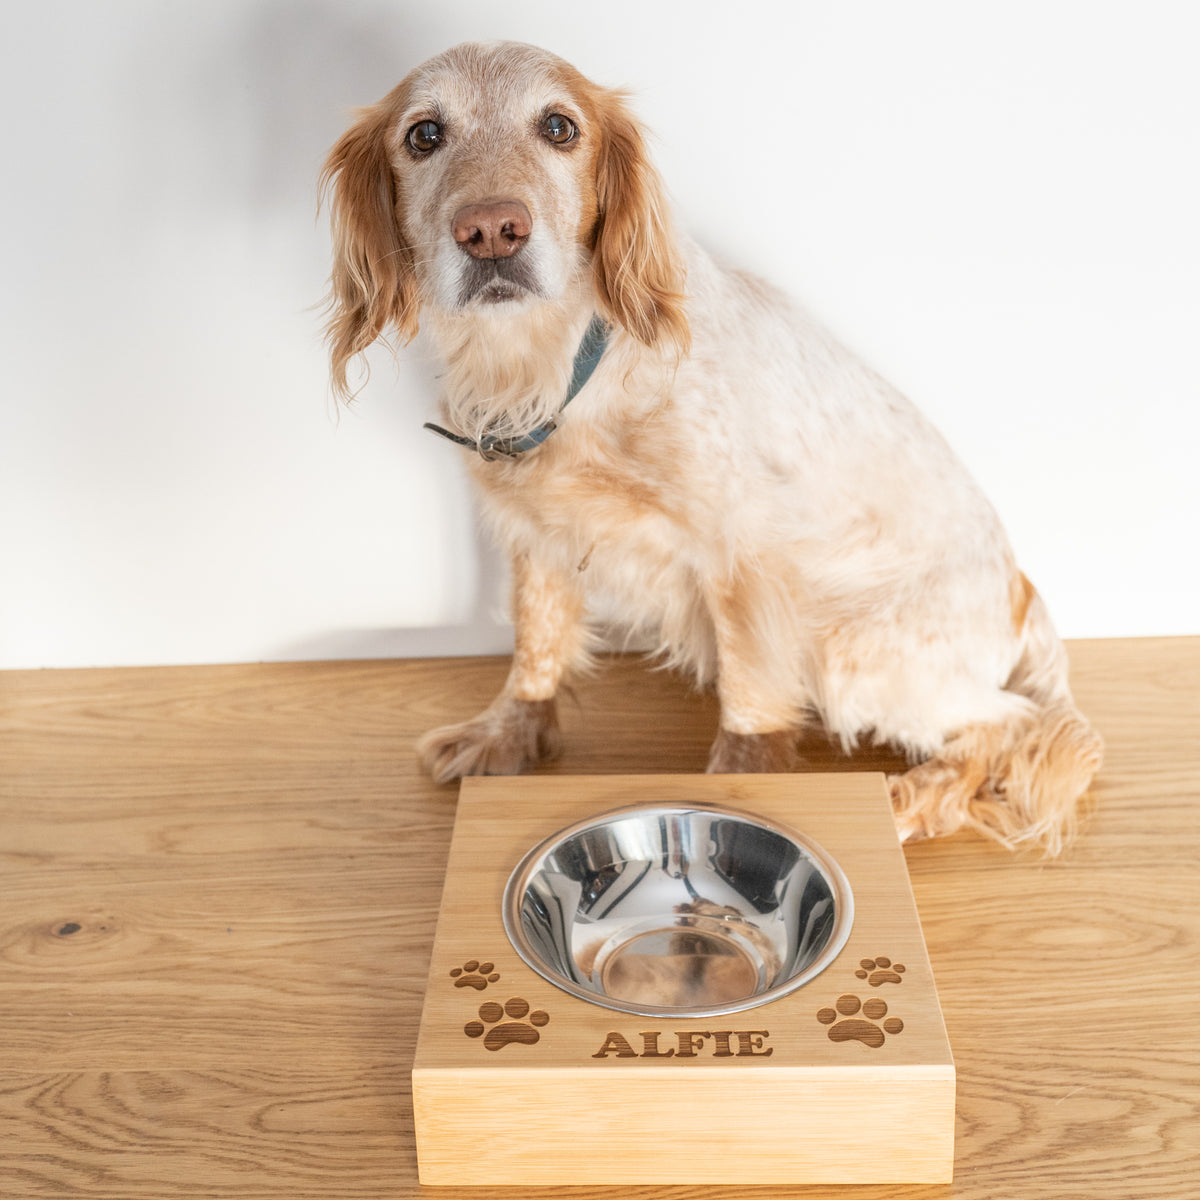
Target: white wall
995, 203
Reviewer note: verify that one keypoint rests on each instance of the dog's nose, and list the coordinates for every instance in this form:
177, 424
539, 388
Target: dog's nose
493, 229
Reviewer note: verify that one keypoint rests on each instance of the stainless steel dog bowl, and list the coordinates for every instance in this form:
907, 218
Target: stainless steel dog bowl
677, 911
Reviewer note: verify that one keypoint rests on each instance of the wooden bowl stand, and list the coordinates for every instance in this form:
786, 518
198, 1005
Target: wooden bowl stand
849, 1079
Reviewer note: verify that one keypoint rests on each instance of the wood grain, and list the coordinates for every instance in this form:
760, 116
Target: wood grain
253, 862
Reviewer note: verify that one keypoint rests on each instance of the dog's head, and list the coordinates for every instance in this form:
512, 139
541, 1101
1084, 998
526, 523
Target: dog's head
489, 179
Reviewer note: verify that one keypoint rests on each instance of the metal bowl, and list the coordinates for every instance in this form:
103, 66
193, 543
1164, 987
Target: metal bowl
678, 911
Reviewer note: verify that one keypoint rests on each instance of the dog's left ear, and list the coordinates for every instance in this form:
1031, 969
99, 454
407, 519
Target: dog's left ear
372, 286
638, 272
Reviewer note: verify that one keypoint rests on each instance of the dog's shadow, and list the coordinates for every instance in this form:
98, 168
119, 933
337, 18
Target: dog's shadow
820, 753
484, 630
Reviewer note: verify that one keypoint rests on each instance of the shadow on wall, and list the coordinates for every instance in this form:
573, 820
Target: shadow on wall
485, 630
300, 71
310, 64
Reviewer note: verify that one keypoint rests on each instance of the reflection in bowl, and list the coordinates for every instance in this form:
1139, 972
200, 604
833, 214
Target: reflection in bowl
678, 911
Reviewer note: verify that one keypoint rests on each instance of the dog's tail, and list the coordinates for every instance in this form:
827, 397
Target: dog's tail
1019, 781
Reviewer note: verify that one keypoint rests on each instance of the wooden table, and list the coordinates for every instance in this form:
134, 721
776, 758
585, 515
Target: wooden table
217, 897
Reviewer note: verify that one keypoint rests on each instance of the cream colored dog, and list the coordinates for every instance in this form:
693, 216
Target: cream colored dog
675, 436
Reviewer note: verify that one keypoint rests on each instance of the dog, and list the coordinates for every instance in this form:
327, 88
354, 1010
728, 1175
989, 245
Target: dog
677, 438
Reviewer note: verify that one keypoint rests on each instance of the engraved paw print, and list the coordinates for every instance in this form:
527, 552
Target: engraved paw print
879, 970
517, 1030
474, 974
853, 1028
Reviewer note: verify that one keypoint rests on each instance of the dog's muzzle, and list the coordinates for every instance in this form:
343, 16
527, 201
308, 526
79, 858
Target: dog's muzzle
496, 280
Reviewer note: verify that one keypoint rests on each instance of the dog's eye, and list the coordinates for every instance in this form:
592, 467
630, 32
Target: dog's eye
425, 136
558, 129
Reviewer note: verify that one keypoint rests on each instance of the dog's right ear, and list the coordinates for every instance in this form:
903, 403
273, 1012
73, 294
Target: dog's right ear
372, 284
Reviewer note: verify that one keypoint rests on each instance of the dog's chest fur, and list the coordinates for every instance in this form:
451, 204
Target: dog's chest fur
598, 505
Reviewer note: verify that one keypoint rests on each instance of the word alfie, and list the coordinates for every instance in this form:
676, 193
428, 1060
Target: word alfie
725, 1043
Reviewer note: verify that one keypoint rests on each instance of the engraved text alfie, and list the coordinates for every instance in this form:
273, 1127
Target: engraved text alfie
720, 1043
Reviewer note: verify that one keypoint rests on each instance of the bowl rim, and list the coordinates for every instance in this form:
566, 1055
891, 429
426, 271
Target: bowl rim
826, 864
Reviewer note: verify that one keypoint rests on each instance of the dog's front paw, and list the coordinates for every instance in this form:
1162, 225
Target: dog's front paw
753, 753
505, 739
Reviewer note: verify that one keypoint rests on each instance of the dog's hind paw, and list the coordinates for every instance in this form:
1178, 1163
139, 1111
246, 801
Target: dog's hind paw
505, 739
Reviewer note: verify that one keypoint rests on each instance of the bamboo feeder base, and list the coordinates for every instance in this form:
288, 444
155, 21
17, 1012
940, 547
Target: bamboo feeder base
847, 1079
